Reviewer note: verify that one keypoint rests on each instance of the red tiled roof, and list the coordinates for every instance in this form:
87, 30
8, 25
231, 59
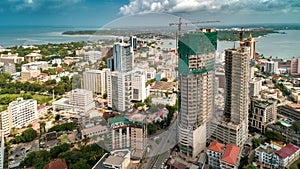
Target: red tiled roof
57, 164
231, 154
286, 151
216, 147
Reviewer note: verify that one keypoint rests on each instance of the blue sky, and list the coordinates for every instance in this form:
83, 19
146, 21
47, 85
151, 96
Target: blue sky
100, 12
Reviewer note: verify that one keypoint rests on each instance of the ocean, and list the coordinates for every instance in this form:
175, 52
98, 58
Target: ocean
285, 46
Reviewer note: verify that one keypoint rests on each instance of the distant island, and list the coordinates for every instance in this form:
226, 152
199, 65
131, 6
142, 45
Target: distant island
223, 34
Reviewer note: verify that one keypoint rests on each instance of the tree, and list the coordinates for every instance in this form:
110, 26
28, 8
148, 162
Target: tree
256, 142
151, 128
57, 117
82, 163
164, 79
42, 127
296, 126
104, 96
243, 162
272, 135
139, 104
55, 151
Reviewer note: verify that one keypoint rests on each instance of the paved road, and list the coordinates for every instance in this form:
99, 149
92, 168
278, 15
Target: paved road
160, 146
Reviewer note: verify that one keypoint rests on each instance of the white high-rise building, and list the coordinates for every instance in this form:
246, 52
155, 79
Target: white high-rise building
19, 113
122, 57
82, 99
139, 92
196, 79
2, 149
272, 67
95, 81
119, 90
234, 127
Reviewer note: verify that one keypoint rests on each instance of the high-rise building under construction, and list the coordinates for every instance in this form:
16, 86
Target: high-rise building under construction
196, 77
233, 128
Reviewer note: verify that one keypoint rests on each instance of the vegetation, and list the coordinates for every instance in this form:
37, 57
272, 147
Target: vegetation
243, 162
151, 128
42, 128
164, 79
5, 99
104, 96
250, 167
150, 81
36, 159
26, 136
55, 151
296, 126
256, 142
283, 89
64, 127
272, 135
139, 104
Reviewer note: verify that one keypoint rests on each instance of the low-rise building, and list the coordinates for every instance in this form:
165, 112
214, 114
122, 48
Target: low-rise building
287, 155
214, 154
32, 57
93, 131
231, 157
290, 110
266, 156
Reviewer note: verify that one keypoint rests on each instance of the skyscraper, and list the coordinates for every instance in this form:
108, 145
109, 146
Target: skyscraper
234, 127
196, 78
122, 57
119, 90
95, 81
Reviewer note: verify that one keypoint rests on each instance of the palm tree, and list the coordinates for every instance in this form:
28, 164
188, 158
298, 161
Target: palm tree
42, 127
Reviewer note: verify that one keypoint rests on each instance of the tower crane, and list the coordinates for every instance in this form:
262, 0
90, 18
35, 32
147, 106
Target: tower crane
180, 23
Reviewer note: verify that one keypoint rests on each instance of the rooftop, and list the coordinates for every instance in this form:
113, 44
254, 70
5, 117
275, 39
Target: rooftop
114, 160
164, 86
57, 164
287, 151
231, 154
216, 147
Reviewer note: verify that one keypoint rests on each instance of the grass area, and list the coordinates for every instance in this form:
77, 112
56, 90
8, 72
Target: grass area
64, 139
40, 98
3, 107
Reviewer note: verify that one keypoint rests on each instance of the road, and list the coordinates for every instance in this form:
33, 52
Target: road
160, 147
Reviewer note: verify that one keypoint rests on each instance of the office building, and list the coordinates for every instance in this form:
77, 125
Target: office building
19, 113
233, 128
2, 150
117, 159
133, 43
291, 110
95, 81
139, 92
119, 90
82, 99
263, 113
92, 56
196, 79
122, 58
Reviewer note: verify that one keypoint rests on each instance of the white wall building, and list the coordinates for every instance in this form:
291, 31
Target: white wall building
139, 92
272, 67
19, 113
119, 90
95, 81
83, 99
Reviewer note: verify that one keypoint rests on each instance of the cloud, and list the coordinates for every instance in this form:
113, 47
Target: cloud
173, 6
37, 5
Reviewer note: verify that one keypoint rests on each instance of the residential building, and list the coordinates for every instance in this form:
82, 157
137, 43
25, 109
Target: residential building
287, 155
214, 154
9, 68
118, 159
196, 79
39, 65
150, 73
265, 154
2, 157
122, 57
272, 67
32, 57
11, 58
95, 81
295, 66
263, 113
92, 56
289, 134
83, 99
119, 90
255, 86
125, 133
234, 127
231, 157
57, 164
139, 90
19, 113
29, 74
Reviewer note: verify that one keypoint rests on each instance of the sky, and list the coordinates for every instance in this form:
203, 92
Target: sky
90, 13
